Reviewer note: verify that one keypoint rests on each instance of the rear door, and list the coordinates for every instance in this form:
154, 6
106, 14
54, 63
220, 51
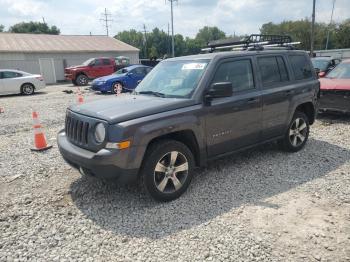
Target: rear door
234, 122
108, 66
276, 95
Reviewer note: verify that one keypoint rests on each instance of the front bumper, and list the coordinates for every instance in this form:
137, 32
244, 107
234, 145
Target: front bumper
107, 164
335, 100
69, 76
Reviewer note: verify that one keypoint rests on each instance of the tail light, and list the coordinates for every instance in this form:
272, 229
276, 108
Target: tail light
40, 78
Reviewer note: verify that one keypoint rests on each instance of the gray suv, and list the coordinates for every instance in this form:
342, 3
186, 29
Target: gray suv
189, 110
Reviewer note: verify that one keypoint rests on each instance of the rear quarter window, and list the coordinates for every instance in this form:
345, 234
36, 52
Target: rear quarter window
301, 67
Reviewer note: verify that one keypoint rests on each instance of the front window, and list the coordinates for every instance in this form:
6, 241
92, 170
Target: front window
87, 62
341, 71
122, 71
173, 78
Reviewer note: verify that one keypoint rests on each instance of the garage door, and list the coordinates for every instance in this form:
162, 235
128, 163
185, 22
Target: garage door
47, 69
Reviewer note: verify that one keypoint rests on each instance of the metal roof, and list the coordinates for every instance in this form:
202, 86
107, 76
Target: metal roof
40, 43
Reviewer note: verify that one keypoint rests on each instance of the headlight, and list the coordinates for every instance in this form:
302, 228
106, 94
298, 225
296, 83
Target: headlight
100, 133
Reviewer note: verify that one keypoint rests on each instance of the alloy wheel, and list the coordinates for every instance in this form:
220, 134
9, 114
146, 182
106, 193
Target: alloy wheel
171, 172
28, 89
298, 132
117, 88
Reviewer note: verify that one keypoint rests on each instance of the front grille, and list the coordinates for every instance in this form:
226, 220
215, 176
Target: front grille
77, 131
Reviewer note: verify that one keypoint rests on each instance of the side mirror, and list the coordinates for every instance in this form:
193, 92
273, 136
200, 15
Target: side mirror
221, 89
321, 74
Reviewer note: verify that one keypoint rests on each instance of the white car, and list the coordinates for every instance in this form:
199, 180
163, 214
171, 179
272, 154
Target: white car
15, 81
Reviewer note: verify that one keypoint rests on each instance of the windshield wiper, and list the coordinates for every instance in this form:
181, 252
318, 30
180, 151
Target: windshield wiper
158, 94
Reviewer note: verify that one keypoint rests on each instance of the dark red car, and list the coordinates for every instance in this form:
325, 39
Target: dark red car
335, 89
90, 69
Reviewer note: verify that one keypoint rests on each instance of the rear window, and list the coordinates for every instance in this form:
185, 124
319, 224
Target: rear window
273, 70
301, 67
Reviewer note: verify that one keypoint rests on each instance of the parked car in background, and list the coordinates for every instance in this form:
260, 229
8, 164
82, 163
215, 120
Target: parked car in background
124, 80
15, 81
335, 89
324, 64
94, 68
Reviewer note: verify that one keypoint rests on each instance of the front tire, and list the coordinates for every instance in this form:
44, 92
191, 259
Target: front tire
297, 134
27, 89
167, 170
117, 88
74, 82
82, 80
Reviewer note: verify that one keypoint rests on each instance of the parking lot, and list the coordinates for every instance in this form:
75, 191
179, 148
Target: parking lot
259, 205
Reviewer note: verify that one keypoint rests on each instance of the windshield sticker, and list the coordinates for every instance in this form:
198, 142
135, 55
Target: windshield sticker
194, 66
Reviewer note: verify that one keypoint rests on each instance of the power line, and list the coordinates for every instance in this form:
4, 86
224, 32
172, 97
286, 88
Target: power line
106, 19
330, 23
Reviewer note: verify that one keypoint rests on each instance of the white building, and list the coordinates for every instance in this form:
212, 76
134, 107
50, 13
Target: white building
335, 53
48, 55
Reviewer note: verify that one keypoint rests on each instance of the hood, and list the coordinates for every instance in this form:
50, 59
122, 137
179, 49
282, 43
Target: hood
109, 77
334, 84
127, 107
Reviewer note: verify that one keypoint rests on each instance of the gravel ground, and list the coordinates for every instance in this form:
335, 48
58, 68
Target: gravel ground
259, 205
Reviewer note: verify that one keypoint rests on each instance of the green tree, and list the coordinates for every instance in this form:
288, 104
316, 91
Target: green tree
2, 28
34, 28
342, 34
207, 34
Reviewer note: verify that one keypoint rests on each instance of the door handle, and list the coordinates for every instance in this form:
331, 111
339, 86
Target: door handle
289, 92
253, 100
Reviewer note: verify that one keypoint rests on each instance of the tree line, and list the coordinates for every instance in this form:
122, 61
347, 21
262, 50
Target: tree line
157, 43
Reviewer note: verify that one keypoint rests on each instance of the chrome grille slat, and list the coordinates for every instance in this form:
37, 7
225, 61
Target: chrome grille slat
76, 130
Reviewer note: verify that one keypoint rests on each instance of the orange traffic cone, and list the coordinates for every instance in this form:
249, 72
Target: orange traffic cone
39, 136
80, 97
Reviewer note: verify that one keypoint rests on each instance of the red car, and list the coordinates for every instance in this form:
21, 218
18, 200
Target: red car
93, 68
335, 89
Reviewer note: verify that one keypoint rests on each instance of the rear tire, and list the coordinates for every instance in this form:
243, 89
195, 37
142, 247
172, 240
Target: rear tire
167, 170
82, 80
297, 133
27, 89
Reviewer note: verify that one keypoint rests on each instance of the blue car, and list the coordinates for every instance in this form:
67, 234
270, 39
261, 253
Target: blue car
124, 80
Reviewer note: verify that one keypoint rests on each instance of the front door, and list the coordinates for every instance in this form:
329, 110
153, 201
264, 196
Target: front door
234, 122
135, 76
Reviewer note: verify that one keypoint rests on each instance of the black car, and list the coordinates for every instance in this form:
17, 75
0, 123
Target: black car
191, 109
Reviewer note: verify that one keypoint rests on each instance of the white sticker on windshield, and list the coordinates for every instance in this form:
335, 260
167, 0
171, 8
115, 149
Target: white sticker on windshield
194, 66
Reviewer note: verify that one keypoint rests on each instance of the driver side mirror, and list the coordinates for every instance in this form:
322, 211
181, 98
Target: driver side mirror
221, 89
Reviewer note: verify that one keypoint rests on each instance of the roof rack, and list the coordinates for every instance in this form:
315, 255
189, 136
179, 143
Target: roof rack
253, 42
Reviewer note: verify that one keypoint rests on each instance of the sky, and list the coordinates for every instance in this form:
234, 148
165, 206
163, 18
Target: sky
80, 17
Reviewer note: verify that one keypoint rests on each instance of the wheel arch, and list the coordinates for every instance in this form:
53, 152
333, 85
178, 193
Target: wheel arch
309, 110
187, 137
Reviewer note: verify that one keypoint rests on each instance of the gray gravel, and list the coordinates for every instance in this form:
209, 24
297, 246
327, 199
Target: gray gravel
259, 205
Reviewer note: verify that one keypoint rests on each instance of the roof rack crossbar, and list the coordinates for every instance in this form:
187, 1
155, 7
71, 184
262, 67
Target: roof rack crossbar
254, 40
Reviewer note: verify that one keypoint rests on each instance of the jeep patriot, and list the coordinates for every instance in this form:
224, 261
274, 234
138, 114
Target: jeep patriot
189, 110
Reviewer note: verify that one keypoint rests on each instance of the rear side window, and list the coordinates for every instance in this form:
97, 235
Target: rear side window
273, 70
301, 67
9, 74
239, 73
106, 62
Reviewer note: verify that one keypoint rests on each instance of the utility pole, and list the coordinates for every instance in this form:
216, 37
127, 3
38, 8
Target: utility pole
106, 19
145, 40
313, 28
330, 23
172, 27
168, 40
44, 20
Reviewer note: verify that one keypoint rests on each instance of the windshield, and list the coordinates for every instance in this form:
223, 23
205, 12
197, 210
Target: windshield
320, 64
122, 71
173, 78
87, 62
341, 71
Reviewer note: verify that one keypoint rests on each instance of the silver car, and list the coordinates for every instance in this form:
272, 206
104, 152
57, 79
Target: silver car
15, 81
